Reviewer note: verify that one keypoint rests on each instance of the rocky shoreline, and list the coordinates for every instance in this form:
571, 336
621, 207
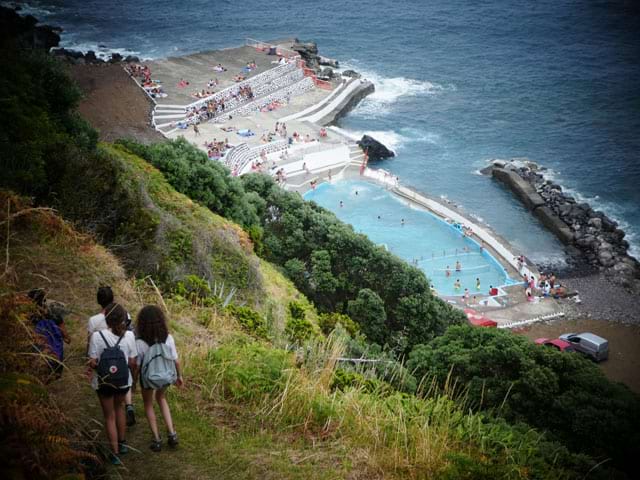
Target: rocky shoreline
594, 241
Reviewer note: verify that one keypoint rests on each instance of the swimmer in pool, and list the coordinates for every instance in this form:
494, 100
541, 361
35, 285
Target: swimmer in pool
457, 285
402, 222
341, 204
356, 192
378, 217
477, 284
447, 272
458, 266
466, 295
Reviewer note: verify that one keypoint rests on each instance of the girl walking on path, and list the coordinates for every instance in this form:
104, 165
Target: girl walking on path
152, 329
112, 374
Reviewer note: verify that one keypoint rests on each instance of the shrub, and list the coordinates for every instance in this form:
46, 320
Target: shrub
329, 321
343, 379
250, 320
193, 288
247, 372
299, 328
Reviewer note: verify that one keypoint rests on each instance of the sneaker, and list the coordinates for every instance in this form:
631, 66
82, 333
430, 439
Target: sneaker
131, 416
123, 449
172, 440
114, 459
156, 445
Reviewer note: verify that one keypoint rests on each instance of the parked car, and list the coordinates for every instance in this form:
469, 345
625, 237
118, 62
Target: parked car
555, 343
588, 344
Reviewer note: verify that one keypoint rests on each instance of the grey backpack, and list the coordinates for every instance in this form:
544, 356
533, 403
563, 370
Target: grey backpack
158, 367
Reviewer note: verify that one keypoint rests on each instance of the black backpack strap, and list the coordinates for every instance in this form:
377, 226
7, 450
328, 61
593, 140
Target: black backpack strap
104, 339
118, 342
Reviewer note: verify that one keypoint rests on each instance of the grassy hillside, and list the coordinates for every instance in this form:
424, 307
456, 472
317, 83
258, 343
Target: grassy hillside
250, 409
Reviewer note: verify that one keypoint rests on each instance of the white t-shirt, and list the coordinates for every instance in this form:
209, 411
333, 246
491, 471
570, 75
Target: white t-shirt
97, 323
97, 346
144, 348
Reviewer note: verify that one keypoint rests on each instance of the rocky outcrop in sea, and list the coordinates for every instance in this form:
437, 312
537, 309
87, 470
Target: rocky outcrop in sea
592, 237
374, 149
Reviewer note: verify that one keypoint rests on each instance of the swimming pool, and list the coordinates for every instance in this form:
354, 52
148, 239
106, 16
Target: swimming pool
413, 234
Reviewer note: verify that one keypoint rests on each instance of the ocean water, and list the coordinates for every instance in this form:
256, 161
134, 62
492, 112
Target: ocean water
458, 83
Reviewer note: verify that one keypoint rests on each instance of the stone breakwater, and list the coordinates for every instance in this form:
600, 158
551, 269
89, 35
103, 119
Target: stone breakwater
591, 236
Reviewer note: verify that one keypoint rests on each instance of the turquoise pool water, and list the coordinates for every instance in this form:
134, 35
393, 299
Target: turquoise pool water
423, 239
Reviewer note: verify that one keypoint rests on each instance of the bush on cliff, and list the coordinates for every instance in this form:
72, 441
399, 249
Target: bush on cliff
562, 393
192, 173
39, 128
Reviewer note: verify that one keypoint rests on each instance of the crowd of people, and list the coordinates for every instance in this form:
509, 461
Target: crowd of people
120, 357
217, 149
216, 106
143, 74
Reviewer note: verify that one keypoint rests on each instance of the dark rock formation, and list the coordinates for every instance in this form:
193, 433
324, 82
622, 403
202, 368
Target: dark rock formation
326, 73
351, 73
26, 31
77, 58
375, 149
589, 233
309, 53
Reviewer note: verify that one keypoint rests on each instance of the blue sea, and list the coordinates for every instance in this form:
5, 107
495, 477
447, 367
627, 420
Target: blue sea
457, 84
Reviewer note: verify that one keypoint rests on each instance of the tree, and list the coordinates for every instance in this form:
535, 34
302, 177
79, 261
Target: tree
563, 393
367, 310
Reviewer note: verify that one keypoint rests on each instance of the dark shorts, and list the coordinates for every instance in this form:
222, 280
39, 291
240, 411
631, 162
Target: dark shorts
109, 391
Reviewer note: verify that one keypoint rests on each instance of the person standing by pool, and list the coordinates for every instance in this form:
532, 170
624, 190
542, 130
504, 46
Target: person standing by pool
458, 266
466, 295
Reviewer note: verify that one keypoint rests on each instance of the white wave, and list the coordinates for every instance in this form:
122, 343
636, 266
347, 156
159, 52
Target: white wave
394, 140
100, 50
390, 89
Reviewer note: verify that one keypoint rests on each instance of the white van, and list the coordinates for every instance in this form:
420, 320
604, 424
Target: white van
588, 344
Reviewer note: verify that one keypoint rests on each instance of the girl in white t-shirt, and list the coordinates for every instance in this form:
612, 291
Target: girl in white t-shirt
112, 399
152, 328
